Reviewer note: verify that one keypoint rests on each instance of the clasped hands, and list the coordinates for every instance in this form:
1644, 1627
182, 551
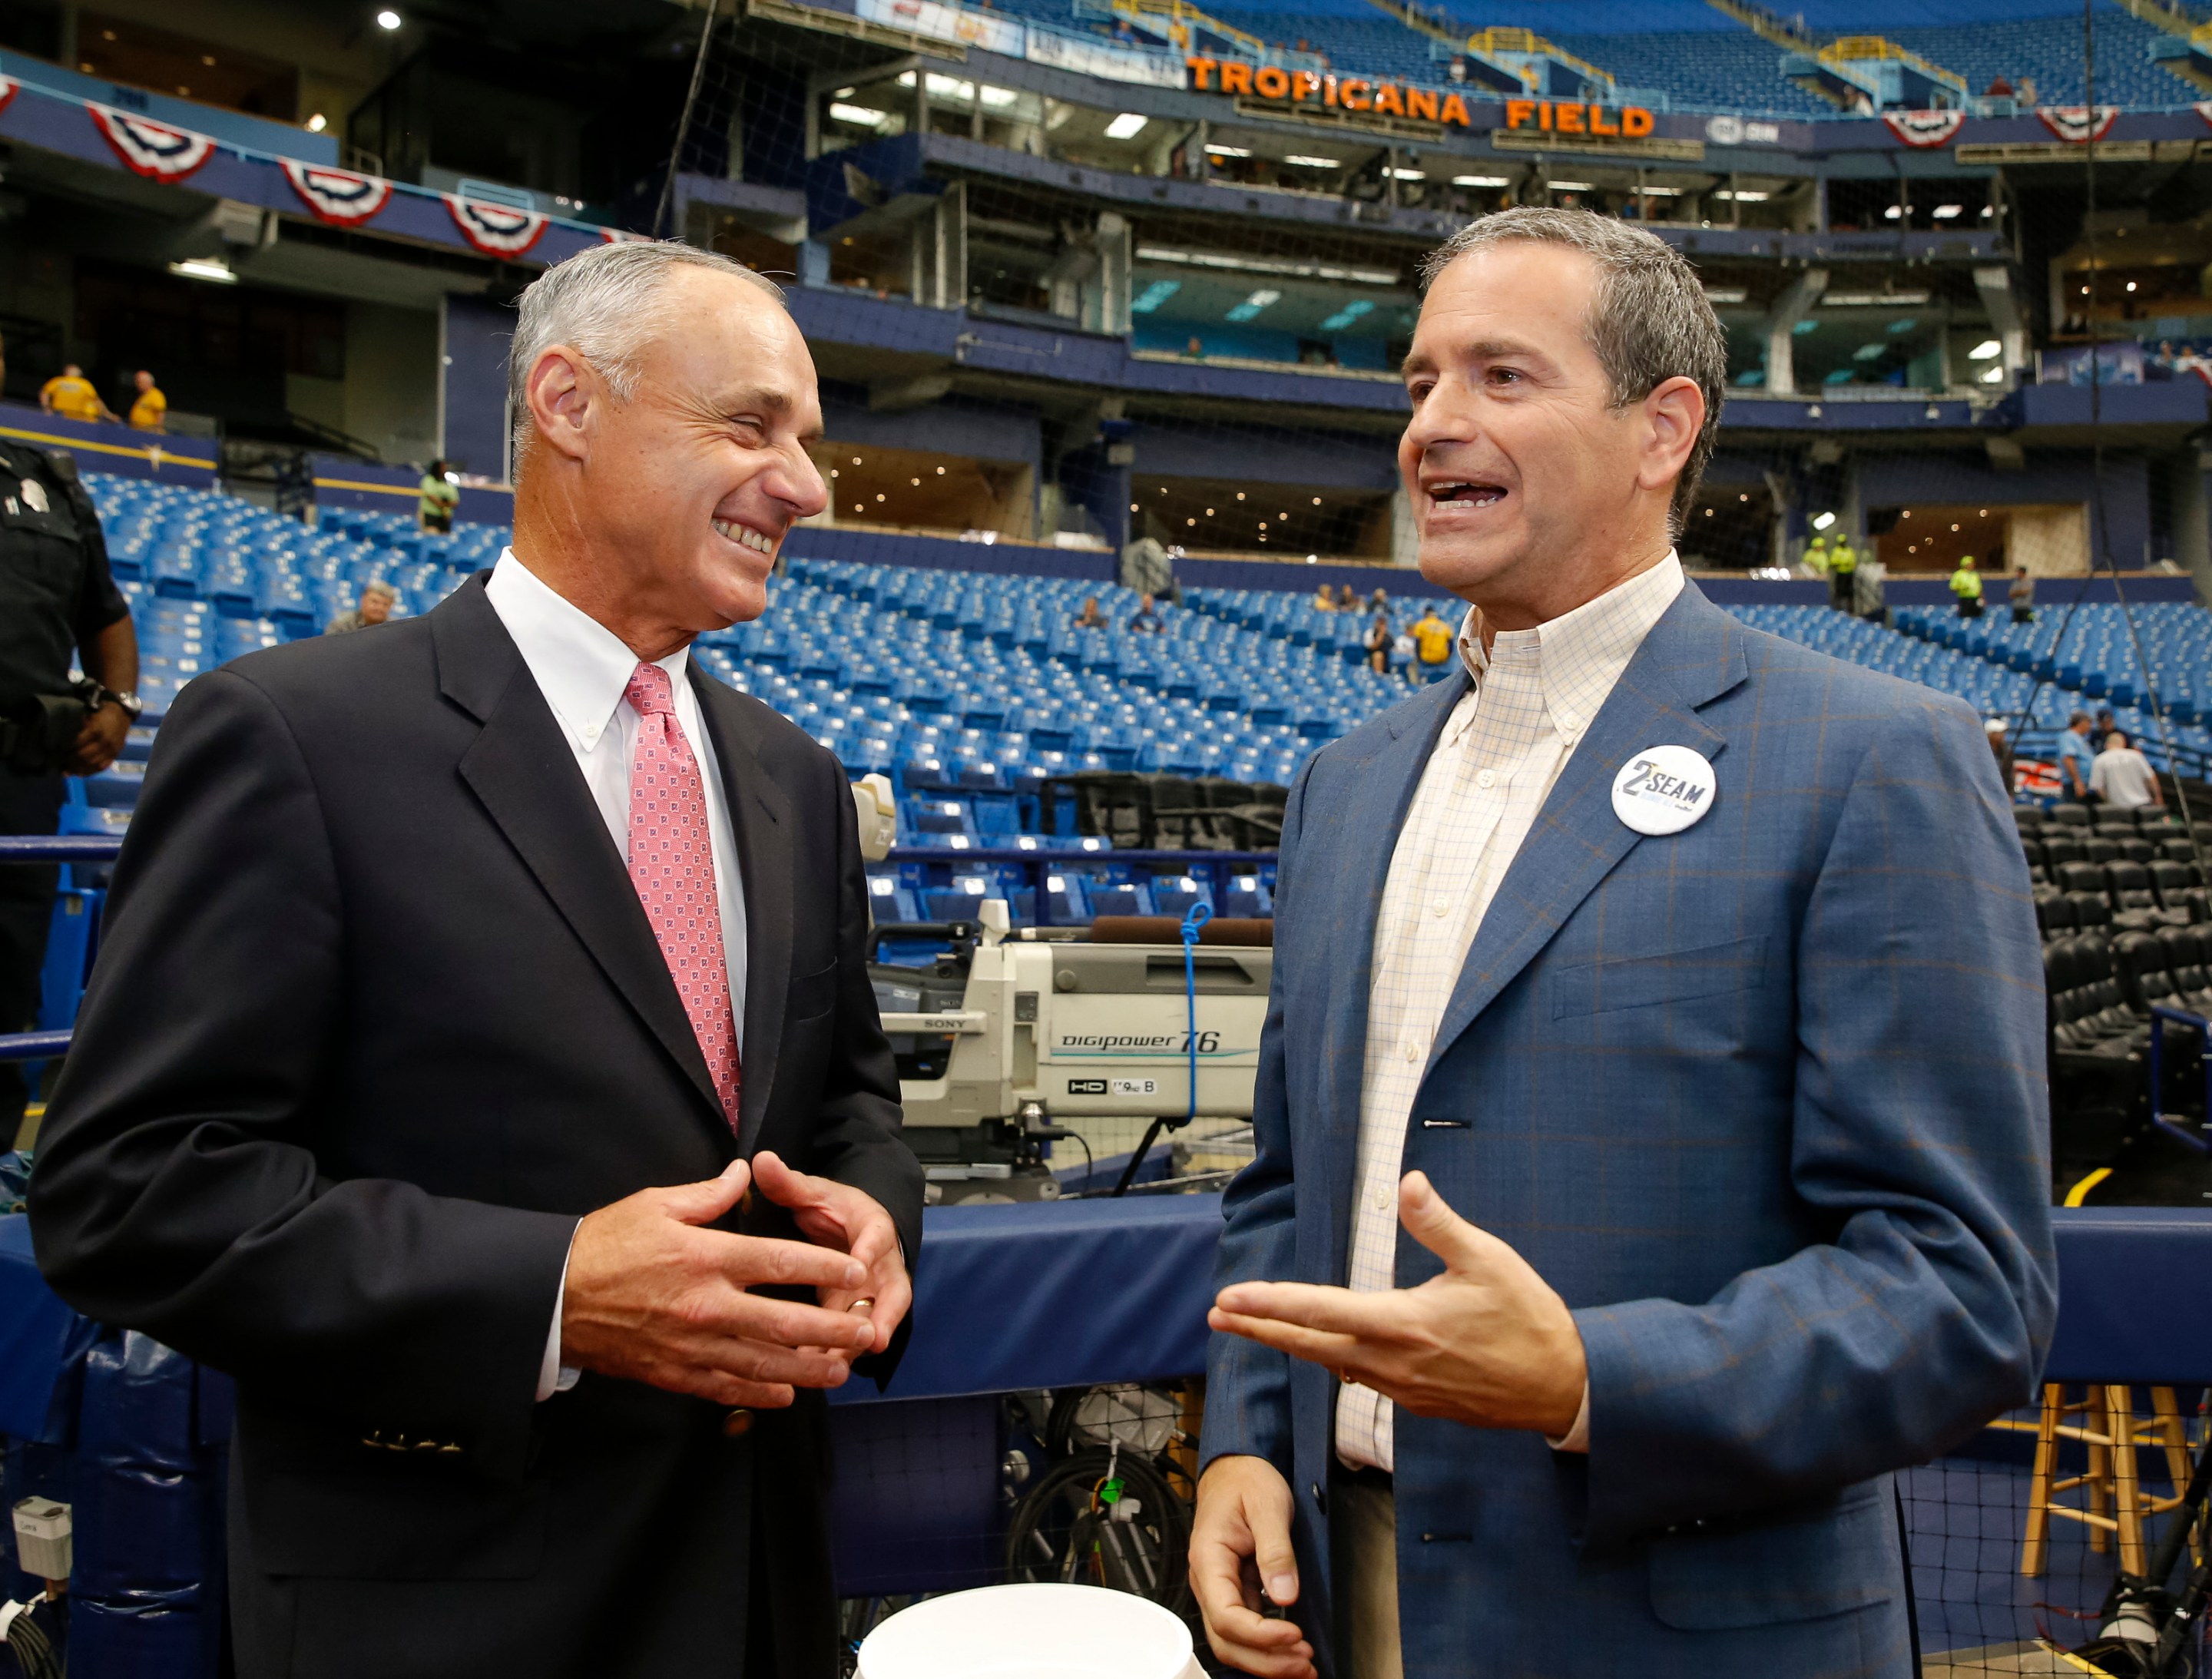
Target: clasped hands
654, 1297
1487, 1342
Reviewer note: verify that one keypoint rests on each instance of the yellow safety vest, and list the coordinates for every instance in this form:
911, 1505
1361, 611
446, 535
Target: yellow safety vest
1967, 583
1844, 560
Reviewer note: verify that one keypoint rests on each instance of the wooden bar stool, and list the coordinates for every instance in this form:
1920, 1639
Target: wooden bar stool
2116, 1503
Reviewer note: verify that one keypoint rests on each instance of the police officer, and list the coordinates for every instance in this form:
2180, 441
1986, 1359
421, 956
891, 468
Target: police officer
56, 602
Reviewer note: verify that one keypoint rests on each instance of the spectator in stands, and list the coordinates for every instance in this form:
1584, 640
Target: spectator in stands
1565, 890
2075, 756
1380, 643
58, 606
1379, 601
1089, 617
1324, 599
2021, 592
373, 607
1433, 645
2106, 723
1998, 89
71, 395
1345, 600
2122, 776
410, 1083
149, 409
1195, 349
1144, 621
1966, 587
439, 495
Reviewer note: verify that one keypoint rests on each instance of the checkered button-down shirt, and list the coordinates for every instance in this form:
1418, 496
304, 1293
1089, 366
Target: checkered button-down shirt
1536, 691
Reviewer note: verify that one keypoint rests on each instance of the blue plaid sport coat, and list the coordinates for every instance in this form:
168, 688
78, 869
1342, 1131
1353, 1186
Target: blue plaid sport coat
1763, 1100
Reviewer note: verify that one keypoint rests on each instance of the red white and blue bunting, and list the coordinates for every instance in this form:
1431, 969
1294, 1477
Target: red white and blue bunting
2203, 107
624, 236
2076, 123
150, 149
336, 196
497, 230
1924, 128
8, 86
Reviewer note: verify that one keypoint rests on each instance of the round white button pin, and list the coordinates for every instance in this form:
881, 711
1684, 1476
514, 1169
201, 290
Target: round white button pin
1664, 790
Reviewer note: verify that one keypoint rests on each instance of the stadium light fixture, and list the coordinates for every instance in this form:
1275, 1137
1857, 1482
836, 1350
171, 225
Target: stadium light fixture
387, 19
1229, 151
1257, 302
1304, 161
1345, 316
1949, 212
1244, 264
1480, 180
318, 123
1874, 300
1407, 175
1743, 197
204, 268
1153, 295
998, 98
1994, 376
1574, 187
1126, 126
1726, 295
859, 115
1823, 521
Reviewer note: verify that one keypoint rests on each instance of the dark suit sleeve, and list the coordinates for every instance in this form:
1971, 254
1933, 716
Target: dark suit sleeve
1247, 1386
176, 1190
856, 1136
1923, 1303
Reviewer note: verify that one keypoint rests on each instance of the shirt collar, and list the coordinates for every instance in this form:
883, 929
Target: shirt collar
1586, 650
582, 667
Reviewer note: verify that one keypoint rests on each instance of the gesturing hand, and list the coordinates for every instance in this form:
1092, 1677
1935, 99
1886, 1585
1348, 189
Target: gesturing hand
651, 1297
1488, 1343
837, 1215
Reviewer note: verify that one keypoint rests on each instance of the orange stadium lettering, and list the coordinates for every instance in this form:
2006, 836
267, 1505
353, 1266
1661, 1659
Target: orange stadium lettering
1555, 117
1348, 93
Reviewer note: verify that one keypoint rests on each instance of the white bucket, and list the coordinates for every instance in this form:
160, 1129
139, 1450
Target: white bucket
1031, 1631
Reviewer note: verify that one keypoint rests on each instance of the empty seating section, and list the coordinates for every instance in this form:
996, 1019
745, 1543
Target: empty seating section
2048, 50
1701, 60
2094, 668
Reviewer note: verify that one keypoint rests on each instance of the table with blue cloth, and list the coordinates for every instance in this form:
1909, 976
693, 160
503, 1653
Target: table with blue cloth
1008, 1298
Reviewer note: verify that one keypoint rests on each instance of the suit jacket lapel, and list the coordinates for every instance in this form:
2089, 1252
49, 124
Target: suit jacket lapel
1693, 654
760, 817
525, 775
1385, 781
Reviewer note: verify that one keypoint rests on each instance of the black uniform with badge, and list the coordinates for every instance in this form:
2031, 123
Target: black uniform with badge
56, 594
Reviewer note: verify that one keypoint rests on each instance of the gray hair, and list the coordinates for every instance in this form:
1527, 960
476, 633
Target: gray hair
1649, 322
379, 587
605, 304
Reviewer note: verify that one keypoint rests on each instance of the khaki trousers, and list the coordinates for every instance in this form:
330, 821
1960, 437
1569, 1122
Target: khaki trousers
1362, 1537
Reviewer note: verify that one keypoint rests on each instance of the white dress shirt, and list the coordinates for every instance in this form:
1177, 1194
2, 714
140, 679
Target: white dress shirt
583, 669
1536, 691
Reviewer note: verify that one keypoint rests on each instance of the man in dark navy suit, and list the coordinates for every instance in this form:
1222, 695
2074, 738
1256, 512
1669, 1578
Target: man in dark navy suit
483, 1066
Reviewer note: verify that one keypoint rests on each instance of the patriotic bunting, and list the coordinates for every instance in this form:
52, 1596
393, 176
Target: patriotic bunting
151, 149
2203, 107
497, 230
2076, 123
8, 86
1924, 128
622, 236
336, 196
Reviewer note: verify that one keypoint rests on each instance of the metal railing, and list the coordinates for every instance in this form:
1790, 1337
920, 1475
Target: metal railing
49, 848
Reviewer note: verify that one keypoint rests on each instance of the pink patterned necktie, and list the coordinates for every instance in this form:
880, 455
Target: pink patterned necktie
672, 863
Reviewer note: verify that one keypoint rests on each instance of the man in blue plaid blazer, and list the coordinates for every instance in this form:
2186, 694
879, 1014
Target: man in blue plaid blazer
1726, 1185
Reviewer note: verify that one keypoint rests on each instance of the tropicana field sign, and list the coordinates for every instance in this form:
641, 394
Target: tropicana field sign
1397, 99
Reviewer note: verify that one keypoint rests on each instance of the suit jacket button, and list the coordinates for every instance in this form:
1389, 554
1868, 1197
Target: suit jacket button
1320, 1497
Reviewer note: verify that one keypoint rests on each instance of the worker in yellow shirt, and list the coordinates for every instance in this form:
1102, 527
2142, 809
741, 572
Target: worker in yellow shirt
71, 395
439, 496
1816, 554
1433, 646
1843, 573
1966, 587
149, 411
